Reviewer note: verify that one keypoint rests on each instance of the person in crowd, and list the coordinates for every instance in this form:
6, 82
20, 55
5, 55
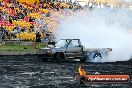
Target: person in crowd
16, 29
31, 28
41, 1
25, 11
0, 3
4, 16
31, 19
10, 19
43, 15
48, 14
23, 29
17, 15
12, 5
38, 40
7, 34
16, 4
21, 15
1, 17
2, 32
41, 21
45, 27
21, 7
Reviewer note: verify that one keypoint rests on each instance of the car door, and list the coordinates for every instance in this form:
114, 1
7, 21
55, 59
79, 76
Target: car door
74, 49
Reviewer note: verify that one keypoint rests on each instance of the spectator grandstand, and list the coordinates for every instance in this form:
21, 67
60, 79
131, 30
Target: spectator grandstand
21, 19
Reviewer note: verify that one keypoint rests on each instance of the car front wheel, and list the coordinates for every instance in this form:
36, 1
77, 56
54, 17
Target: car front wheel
59, 57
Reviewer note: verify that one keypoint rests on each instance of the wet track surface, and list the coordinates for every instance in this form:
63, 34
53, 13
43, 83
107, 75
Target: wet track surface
20, 73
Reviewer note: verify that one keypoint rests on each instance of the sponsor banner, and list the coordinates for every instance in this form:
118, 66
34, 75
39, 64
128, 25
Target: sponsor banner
107, 78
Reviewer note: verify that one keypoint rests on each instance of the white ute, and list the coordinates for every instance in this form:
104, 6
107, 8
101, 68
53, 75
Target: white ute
73, 49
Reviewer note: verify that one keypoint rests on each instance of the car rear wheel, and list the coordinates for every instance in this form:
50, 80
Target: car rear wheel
97, 57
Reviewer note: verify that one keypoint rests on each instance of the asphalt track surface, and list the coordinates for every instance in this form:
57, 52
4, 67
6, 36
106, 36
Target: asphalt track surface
24, 72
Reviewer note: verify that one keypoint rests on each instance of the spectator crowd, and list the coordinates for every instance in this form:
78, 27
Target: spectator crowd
21, 19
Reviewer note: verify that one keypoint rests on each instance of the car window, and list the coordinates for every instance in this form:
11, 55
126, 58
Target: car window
73, 43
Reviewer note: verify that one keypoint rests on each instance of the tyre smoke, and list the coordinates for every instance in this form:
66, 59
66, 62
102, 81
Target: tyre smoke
101, 28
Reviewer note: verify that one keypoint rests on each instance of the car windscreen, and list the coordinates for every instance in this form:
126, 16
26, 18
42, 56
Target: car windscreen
61, 43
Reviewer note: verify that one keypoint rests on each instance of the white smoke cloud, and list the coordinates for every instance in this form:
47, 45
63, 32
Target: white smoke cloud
128, 0
101, 28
